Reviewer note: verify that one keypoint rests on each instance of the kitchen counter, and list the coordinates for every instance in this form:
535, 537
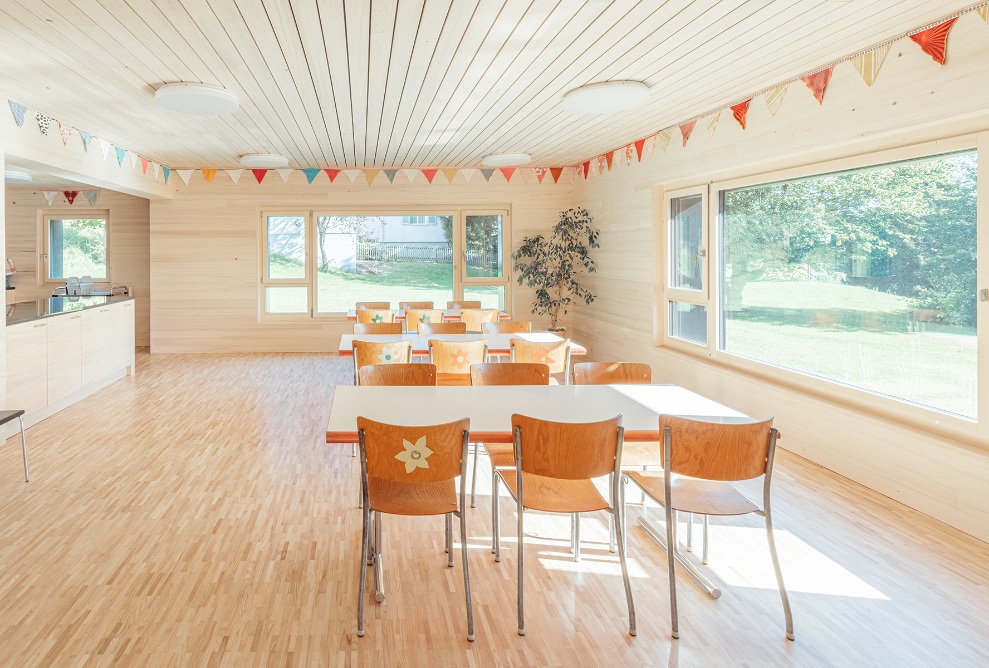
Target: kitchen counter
20, 312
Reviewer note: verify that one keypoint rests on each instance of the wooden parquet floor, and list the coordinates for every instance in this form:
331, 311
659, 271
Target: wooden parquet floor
192, 515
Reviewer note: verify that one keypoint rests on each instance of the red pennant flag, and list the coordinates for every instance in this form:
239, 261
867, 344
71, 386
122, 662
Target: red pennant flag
817, 82
934, 41
608, 157
144, 165
70, 195
639, 145
686, 129
430, 174
587, 169
556, 171
259, 174
332, 173
507, 172
740, 110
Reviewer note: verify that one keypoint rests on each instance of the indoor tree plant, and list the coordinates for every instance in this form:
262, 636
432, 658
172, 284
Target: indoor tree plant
552, 266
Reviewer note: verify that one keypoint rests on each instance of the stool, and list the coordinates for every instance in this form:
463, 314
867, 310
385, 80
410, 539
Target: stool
7, 416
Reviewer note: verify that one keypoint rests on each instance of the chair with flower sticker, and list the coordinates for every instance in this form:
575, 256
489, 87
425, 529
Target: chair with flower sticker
405, 306
463, 304
474, 317
409, 470
367, 352
374, 315
554, 354
414, 317
378, 328
373, 305
453, 359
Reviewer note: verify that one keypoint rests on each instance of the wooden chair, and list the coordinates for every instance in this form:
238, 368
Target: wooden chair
411, 471
463, 304
612, 373
556, 355
506, 327
381, 306
378, 328
374, 315
555, 464
397, 374
430, 328
414, 316
501, 454
405, 306
711, 455
453, 359
473, 317
367, 353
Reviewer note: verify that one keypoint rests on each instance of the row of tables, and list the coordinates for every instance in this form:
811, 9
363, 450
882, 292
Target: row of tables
449, 315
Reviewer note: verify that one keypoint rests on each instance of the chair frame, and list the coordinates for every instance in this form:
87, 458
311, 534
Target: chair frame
364, 311
377, 328
466, 374
381, 374
496, 312
374, 306
617, 373
506, 327
357, 366
566, 360
409, 319
440, 328
461, 304
419, 306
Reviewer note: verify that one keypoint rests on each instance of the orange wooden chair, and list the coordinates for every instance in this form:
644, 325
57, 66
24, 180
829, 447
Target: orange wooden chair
397, 374
430, 328
555, 464
475, 316
501, 454
506, 327
556, 355
710, 456
409, 470
367, 353
612, 373
405, 306
378, 328
463, 304
374, 315
453, 359
381, 306
414, 317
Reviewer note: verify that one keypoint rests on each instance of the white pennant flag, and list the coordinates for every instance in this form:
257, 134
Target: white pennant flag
468, 173
351, 174
156, 167
186, 174
104, 147
410, 174
49, 195
712, 123
234, 174
285, 173
91, 196
133, 159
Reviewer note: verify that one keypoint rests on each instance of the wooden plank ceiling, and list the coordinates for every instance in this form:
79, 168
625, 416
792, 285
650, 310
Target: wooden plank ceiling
414, 83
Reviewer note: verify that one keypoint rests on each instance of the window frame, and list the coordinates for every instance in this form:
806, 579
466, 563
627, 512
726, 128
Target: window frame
671, 294
265, 281
47, 215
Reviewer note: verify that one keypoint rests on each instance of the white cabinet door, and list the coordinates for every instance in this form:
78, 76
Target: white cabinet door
64, 356
27, 366
122, 336
95, 345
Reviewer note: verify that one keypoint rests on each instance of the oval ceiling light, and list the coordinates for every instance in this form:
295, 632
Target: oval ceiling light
192, 98
606, 97
506, 159
17, 177
263, 161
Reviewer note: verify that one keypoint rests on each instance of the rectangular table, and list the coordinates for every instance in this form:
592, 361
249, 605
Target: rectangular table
498, 344
450, 314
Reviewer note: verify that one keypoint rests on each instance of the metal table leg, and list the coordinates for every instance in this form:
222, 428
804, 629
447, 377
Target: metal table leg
658, 537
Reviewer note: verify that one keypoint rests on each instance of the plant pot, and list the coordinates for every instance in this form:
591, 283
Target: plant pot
559, 331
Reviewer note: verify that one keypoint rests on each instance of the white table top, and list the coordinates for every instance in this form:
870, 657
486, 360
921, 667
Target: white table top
497, 343
448, 314
490, 407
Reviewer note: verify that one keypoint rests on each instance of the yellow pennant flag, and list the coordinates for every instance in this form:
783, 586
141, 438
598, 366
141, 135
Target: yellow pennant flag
663, 138
868, 63
450, 174
712, 123
371, 174
208, 174
774, 98
983, 12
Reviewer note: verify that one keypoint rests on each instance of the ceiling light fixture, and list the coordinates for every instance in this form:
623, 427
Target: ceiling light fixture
506, 159
263, 161
606, 97
193, 98
17, 177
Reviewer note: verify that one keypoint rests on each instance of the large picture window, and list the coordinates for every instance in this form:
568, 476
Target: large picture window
75, 246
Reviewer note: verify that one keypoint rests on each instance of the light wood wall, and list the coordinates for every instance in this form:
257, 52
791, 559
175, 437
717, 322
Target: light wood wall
913, 100
129, 245
204, 252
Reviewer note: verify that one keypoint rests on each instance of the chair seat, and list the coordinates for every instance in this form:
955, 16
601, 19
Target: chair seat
502, 455
705, 497
554, 495
7, 416
396, 498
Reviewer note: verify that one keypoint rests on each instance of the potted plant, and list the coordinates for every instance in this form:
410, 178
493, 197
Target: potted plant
552, 266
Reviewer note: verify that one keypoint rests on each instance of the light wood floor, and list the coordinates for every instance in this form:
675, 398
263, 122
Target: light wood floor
193, 515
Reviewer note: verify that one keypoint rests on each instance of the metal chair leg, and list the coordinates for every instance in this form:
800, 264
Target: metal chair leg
354, 454
473, 484
621, 496
671, 564
495, 517
27, 473
365, 538
704, 558
521, 567
449, 539
576, 536
379, 566
463, 551
690, 532
611, 520
628, 588
779, 574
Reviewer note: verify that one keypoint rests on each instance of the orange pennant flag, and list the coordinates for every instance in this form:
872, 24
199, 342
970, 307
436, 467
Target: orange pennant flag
332, 173
556, 171
507, 172
208, 174
817, 82
450, 174
639, 146
934, 41
259, 174
370, 175
144, 165
430, 174
740, 110
609, 156
686, 129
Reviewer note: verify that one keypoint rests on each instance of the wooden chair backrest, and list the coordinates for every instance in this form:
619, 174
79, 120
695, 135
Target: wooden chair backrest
428, 328
375, 315
414, 316
457, 356
405, 306
397, 374
556, 355
567, 450
506, 327
612, 373
509, 373
716, 450
475, 316
463, 304
373, 305
413, 455
367, 353
378, 328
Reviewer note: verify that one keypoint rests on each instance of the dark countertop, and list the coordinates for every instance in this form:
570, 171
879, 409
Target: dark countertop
47, 308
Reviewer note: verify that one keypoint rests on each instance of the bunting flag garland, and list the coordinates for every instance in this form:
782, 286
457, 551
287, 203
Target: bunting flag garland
120, 156
775, 98
311, 173
817, 82
65, 132
166, 171
629, 151
686, 129
144, 166
259, 174
556, 172
186, 174
486, 173
526, 173
740, 111
284, 173
450, 174
640, 146
609, 157
351, 174
208, 174
44, 122
868, 63
430, 174
411, 174
234, 174
983, 11
133, 159
156, 167
17, 109
332, 173
934, 41
602, 163
86, 138
571, 174
587, 169
70, 195
468, 174
370, 175
49, 195
712, 123
507, 173
104, 147
541, 173
390, 173
664, 136
91, 196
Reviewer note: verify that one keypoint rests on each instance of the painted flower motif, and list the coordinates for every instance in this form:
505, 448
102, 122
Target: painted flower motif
458, 359
377, 318
542, 357
425, 318
414, 456
391, 355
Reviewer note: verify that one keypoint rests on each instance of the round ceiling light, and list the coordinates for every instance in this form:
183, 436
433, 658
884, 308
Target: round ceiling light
193, 98
606, 97
17, 177
506, 159
263, 161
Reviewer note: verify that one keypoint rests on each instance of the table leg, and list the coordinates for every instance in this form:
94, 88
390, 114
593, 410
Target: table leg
657, 536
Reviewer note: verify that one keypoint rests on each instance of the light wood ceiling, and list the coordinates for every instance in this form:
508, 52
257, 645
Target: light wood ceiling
413, 83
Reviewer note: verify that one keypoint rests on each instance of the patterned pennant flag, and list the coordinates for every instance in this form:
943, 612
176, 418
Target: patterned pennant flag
486, 173
507, 173
774, 98
740, 111
121, 153
541, 173
370, 175
44, 122
430, 174
629, 152
450, 174
86, 138
609, 156
105, 147
868, 63
686, 129
133, 159
70, 195
311, 173
817, 82
186, 174
166, 171
208, 174
332, 173
640, 145
411, 174
91, 196
526, 173
983, 12
712, 122
571, 174
587, 169
234, 174
284, 173
259, 174
17, 109
390, 173
556, 172
351, 174
49, 195
934, 41
156, 167
601, 160
468, 174
144, 166
65, 132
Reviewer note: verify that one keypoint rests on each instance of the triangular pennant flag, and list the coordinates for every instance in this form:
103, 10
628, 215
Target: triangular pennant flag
468, 174
156, 167
332, 173
609, 156
507, 172
86, 138
411, 174
144, 166
740, 111
208, 174
65, 131
983, 12
587, 169
104, 147
70, 195
44, 122
450, 174
234, 174
934, 41
390, 173
664, 137
868, 63
49, 195
712, 123
351, 174
486, 173
311, 173
571, 174
817, 82
91, 196
628, 154
166, 171
639, 146
133, 158
284, 173
186, 174
120, 156
17, 109
556, 172
370, 175
774, 98
651, 144
541, 173
526, 173
430, 174
259, 174
686, 129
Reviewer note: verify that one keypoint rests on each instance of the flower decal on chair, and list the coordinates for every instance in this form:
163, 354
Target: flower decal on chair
542, 356
459, 359
391, 355
425, 318
414, 455
377, 318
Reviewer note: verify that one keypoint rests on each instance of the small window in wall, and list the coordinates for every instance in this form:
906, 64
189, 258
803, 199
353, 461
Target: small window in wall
75, 246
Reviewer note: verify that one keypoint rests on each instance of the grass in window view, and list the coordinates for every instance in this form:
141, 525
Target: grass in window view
864, 277
77, 247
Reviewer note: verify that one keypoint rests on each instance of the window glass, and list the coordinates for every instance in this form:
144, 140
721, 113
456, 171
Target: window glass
287, 247
490, 296
286, 300
76, 247
485, 255
686, 239
688, 322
